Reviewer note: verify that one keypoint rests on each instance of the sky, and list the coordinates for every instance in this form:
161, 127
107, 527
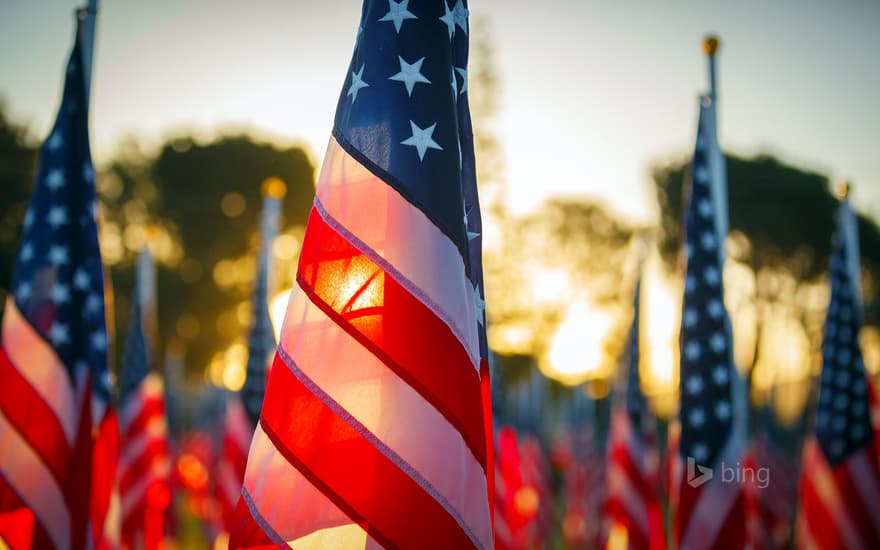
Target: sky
593, 92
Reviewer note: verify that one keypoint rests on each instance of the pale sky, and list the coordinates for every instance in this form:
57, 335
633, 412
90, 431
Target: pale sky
593, 91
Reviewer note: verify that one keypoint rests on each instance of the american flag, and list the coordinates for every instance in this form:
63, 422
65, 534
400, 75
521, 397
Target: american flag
584, 491
373, 428
709, 510
53, 357
237, 433
144, 463
840, 487
633, 486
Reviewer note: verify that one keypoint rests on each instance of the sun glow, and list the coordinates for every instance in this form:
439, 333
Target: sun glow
578, 351
277, 310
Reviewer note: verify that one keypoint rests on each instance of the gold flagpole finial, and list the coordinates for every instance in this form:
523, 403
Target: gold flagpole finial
842, 188
711, 45
274, 188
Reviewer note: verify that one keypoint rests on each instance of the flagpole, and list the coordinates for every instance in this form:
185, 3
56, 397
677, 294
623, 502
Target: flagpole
710, 46
88, 17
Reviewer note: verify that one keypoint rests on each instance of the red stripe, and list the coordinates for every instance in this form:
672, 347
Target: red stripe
33, 419
151, 407
815, 514
18, 526
155, 451
395, 326
104, 460
350, 471
863, 519
245, 533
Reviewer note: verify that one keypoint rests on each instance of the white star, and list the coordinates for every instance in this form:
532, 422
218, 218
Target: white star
99, 340
699, 452
470, 234
27, 252
701, 175
397, 13
461, 15
718, 342
88, 173
705, 208
857, 432
480, 305
719, 375
23, 292
690, 317
711, 275
454, 85
60, 294
842, 379
841, 402
859, 386
463, 74
449, 19
59, 334
357, 83
421, 139
701, 142
28, 218
845, 334
845, 314
692, 350
55, 180
58, 255
57, 216
690, 284
858, 408
694, 384
55, 141
707, 241
843, 357
81, 279
697, 417
410, 74
722, 410
715, 308
838, 423
93, 304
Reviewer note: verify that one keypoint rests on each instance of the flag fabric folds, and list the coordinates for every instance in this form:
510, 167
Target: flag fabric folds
840, 485
709, 511
633, 484
373, 413
144, 460
53, 356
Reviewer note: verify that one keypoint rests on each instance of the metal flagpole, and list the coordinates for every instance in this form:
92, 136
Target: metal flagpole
88, 17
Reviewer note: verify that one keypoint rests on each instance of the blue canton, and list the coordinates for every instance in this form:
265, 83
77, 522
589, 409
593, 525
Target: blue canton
58, 283
843, 419
403, 108
707, 369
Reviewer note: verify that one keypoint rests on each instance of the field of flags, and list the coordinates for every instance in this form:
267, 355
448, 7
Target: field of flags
380, 417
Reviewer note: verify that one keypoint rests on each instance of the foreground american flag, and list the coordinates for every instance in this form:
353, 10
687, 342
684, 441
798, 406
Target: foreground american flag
372, 432
53, 357
633, 482
710, 512
144, 460
840, 486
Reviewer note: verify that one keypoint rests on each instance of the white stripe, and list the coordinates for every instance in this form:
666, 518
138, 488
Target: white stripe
424, 259
33, 482
134, 448
135, 493
715, 501
864, 476
37, 362
282, 501
388, 408
818, 474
